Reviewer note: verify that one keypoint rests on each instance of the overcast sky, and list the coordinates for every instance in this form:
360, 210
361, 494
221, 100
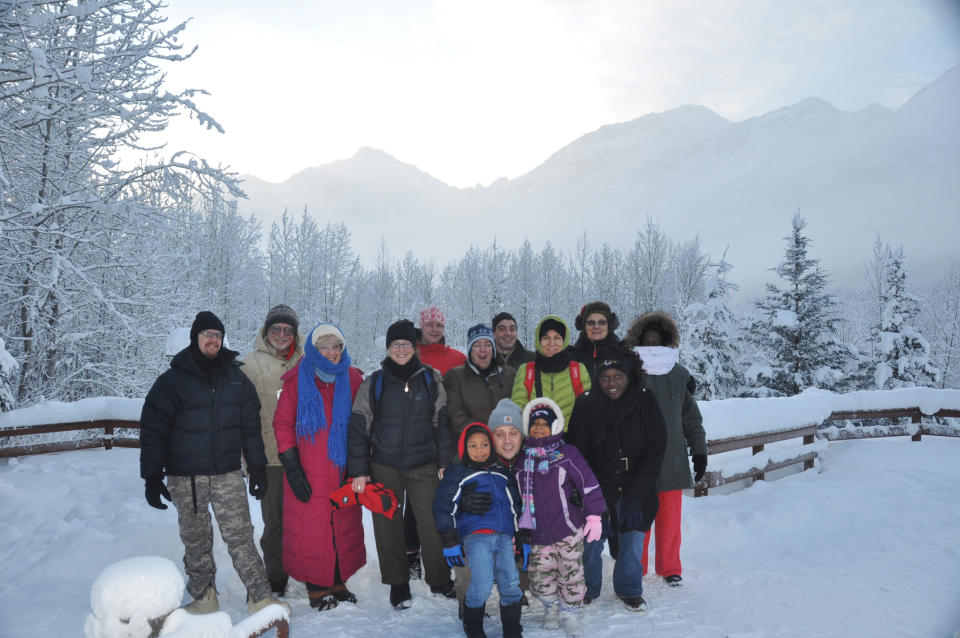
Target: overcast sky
473, 91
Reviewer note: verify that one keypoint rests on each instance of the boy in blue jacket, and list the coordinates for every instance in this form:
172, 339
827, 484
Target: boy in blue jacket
486, 539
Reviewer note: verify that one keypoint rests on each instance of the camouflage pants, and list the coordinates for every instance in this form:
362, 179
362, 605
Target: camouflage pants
556, 571
228, 495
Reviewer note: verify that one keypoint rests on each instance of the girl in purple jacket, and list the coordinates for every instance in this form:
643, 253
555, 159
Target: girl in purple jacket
551, 471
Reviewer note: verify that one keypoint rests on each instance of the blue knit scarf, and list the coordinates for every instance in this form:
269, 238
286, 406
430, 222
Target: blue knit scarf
310, 413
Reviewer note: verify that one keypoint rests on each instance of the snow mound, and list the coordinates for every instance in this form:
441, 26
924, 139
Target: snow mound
126, 595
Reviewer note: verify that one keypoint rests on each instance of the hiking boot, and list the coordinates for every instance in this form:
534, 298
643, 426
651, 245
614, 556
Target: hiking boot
510, 618
634, 603
674, 580
400, 596
256, 605
413, 564
344, 595
279, 586
322, 598
447, 591
206, 604
473, 622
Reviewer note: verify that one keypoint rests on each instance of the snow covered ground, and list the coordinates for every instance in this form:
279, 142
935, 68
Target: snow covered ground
870, 546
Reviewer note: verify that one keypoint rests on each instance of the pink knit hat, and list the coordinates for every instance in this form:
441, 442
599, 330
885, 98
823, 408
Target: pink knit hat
432, 314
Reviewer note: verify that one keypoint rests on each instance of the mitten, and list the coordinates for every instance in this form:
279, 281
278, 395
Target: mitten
593, 529
631, 519
699, 467
474, 502
154, 490
258, 481
296, 479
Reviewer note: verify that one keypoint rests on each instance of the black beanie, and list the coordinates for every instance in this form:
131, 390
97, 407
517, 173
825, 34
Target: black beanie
205, 320
402, 330
282, 313
623, 364
552, 324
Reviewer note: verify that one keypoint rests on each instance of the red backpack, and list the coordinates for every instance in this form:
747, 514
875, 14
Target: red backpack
533, 379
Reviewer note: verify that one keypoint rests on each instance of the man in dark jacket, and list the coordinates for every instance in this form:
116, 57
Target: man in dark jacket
197, 419
508, 345
620, 432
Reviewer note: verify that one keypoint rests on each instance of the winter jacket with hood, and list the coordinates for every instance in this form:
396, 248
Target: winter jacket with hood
264, 367
315, 536
472, 395
407, 428
490, 477
556, 385
681, 415
195, 424
556, 516
623, 441
593, 353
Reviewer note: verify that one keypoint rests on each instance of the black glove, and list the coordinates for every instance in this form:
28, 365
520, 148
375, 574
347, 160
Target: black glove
699, 466
299, 484
258, 481
154, 490
631, 519
474, 502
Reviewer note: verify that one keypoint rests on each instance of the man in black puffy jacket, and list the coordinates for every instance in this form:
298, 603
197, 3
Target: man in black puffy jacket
197, 419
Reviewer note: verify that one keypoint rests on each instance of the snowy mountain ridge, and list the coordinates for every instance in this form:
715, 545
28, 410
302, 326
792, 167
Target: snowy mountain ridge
851, 174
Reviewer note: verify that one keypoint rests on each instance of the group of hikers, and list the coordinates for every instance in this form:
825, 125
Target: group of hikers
511, 466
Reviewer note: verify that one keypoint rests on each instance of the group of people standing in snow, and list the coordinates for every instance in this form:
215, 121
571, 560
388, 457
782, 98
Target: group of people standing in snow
510, 466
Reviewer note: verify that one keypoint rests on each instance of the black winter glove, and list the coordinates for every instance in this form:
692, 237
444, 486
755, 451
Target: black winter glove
258, 481
474, 502
631, 519
299, 484
154, 490
699, 467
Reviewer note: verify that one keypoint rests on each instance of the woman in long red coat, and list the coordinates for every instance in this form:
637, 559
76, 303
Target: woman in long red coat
322, 547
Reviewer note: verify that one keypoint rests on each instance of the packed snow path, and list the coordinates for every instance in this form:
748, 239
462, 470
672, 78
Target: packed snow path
870, 546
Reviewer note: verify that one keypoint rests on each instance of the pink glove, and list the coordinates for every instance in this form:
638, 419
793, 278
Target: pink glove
592, 529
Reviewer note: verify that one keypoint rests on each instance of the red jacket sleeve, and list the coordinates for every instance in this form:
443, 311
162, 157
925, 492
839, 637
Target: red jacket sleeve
285, 418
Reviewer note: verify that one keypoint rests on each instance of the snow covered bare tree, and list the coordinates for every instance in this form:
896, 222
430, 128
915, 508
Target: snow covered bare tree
795, 327
79, 85
8, 367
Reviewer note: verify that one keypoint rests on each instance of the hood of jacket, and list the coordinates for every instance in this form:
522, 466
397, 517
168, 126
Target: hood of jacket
658, 320
566, 333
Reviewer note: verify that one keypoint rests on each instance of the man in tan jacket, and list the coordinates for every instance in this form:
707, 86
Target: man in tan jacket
277, 349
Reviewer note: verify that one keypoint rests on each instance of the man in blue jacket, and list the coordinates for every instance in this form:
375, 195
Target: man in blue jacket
197, 419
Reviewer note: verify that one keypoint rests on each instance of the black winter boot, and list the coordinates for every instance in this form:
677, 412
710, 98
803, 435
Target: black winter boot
510, 617
473, 622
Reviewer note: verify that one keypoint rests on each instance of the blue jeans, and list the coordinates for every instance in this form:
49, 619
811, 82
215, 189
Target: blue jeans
627, 570
490, 558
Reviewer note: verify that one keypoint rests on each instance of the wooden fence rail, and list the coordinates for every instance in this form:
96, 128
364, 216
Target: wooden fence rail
809, 433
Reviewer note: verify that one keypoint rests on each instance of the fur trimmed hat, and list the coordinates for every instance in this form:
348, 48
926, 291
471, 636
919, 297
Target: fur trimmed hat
543, 408
595, 307
657, 320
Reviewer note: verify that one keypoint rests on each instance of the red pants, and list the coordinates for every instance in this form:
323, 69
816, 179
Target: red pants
667, 528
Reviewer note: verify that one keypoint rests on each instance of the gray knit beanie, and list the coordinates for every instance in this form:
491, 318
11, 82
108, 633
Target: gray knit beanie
506, 414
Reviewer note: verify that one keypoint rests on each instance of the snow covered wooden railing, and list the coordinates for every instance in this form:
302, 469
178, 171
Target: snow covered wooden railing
735, 424
97, 434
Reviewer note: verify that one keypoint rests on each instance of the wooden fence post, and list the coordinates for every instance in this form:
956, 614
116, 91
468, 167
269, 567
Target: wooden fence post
915, 417
807, 440
757, 449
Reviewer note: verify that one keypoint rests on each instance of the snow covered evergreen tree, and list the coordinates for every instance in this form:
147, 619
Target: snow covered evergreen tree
8, 365
795, 327
710, 347
903, 354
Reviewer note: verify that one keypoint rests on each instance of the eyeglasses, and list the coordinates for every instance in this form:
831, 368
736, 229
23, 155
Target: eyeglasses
286, 331
593, 323
336, 347
212, 334
401, 345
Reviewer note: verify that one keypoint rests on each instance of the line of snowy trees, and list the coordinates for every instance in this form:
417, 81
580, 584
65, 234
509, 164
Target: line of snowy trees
107, 245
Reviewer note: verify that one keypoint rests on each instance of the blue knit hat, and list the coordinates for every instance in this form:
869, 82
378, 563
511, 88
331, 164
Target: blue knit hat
478, 332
